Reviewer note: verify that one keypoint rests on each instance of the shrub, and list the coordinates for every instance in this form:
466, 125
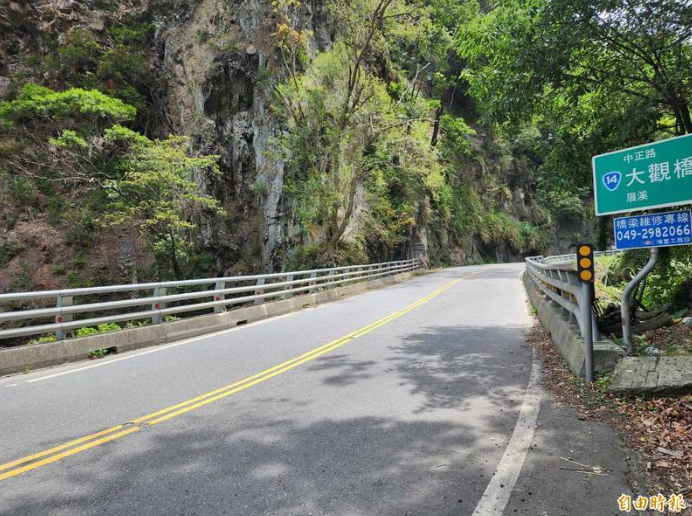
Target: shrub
101, 328
45, 338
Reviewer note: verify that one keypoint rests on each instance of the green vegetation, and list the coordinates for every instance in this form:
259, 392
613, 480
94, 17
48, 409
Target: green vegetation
44, 339
593, 76
465, 124
75, 140
356, 117
609, 73
669, 284
98, 353
88, 331
8, 251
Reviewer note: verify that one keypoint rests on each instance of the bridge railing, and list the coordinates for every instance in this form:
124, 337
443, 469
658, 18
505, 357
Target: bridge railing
556, 277
158, 302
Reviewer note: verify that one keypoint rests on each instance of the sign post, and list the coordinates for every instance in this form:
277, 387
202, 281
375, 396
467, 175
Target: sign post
585, 272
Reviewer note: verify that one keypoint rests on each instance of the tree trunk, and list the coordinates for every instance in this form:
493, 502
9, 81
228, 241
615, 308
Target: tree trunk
436, 126
685, 115
177, 271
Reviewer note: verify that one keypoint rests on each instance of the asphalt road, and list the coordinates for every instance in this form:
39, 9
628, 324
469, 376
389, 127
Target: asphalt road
411, 415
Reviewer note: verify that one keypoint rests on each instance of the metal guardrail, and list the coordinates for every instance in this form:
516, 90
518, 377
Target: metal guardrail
556, 277
562, 258
159, 303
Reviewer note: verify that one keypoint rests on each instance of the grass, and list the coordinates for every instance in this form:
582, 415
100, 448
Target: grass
98, 353
43, 339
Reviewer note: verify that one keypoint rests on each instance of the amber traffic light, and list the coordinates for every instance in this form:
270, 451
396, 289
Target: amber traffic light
585, 265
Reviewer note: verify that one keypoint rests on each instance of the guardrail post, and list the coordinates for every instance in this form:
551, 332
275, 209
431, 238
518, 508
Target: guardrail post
313, 275
158, 292
331, 273
594, 327
218, 309
289, 294
258, 291
61, 302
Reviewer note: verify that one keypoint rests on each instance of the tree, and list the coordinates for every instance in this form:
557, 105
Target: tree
155, 194
609, 72
342, 122
57, 135
73, 139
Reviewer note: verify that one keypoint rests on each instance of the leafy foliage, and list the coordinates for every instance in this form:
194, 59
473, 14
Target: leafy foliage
76, 139
154, 192
117, 65
611, 73
669, 283
347, 129
43, 105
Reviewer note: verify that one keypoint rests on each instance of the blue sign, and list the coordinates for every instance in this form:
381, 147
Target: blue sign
611, 180
653, 230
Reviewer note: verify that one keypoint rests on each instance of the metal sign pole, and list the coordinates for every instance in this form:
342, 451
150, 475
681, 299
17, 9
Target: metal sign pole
586, 312
625, 301
586, 272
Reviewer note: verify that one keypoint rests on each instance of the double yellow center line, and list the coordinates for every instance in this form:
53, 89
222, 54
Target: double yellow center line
19, 466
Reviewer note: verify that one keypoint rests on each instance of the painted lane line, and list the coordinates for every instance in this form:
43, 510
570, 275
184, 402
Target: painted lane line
297, 360
38, 455
160, 348
204, 399
243, 387
231, 386
72, 451
499, 489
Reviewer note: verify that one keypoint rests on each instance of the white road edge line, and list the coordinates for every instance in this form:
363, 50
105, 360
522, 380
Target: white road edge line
500, 487
162, 347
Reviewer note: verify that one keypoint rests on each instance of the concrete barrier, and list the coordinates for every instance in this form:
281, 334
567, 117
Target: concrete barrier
36, 356
566, 337
658, 376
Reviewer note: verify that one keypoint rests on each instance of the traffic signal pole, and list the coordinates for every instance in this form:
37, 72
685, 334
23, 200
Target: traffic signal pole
586, 273
586, 316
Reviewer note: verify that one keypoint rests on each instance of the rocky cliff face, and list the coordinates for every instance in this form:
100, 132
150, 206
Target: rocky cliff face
221, 68
215, 65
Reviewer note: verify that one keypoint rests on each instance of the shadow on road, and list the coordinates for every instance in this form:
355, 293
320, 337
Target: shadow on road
272, 456
362, 466
454, 366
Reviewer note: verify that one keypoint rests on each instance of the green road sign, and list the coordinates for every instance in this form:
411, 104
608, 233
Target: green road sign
647, 176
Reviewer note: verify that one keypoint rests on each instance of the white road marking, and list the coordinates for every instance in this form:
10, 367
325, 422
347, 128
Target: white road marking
162, 347
499, 489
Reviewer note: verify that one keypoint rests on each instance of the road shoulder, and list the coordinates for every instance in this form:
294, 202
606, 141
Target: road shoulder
603, 437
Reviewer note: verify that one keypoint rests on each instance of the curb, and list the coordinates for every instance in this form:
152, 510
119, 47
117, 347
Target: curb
37, 356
